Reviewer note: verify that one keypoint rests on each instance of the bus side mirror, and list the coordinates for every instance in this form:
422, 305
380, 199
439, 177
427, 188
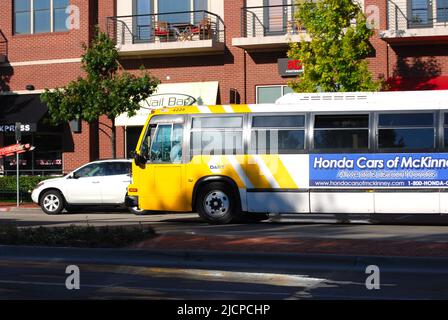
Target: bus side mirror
139, 159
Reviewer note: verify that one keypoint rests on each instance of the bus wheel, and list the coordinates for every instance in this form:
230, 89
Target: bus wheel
217, 203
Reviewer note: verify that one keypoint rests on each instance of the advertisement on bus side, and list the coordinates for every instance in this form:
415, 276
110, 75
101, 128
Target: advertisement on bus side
394, 170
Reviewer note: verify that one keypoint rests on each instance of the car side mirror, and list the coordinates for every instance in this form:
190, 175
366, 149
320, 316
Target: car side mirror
75, 175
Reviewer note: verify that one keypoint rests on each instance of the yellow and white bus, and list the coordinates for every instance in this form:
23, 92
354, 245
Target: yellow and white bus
353, 153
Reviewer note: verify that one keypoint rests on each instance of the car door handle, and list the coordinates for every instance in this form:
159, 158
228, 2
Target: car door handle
95, 182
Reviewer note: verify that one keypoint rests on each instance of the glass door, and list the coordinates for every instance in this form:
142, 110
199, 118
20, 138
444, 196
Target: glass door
275, 17
442, 11
420, 13
144, 21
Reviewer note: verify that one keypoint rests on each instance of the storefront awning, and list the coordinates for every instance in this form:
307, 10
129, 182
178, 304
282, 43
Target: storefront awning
26, 109
173, 94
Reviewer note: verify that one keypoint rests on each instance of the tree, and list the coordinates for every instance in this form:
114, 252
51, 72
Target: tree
105, 90
334, 59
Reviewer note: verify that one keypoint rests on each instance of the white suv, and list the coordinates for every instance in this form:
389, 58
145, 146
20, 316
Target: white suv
97, 183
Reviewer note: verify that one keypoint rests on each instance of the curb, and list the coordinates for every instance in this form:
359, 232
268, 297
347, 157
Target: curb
284, 261
23, 208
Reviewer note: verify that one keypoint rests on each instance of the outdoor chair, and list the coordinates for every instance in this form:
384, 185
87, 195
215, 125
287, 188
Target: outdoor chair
203, 29
161, 30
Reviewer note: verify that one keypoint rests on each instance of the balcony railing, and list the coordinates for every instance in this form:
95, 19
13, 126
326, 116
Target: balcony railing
269, 21
3, 47
166, 27
402, 14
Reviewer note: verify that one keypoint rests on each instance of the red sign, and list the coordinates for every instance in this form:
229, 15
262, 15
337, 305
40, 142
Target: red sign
289, 67
295, 65
13, 149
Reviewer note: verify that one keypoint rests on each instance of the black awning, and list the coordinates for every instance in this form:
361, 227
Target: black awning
24, 108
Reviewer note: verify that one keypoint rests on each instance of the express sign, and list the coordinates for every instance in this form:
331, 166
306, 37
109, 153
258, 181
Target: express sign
25, 127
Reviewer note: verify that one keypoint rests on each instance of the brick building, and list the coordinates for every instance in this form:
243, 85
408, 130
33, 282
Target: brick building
203, 51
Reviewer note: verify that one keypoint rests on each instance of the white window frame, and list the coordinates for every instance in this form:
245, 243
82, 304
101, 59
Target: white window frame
282, 86
32, 31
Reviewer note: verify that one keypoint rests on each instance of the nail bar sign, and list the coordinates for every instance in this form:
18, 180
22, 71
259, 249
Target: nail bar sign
170, 100
289, 67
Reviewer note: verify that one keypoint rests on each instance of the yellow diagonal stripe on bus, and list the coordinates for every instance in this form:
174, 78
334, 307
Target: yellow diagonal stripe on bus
255, 175
231, 172
240, 108
217, 109
279, 171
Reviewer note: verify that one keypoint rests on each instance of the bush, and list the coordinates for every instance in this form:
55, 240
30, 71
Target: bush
27, 183
75, 236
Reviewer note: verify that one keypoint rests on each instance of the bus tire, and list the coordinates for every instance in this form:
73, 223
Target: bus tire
217, 203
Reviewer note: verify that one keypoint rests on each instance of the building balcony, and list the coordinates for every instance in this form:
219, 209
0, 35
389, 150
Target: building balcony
177, 33
416, 21
3, 47
269, 27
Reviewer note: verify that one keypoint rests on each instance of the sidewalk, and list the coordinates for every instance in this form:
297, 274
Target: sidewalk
7, 206
362, 247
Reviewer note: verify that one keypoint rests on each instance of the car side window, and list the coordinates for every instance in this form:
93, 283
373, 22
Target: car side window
117, 168
91, 170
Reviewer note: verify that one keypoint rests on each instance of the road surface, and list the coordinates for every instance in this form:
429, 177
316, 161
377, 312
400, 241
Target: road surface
40, 273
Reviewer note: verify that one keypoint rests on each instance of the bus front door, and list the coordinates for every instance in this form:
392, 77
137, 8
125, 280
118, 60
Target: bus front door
166, 173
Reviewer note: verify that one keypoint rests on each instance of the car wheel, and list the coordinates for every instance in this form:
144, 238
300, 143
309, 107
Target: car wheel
52, 202
217, 203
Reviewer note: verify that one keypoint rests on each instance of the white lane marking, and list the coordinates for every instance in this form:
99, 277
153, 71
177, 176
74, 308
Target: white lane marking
239, 171
266, 172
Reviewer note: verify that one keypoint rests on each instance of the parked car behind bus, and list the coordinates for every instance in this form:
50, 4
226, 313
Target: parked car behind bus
98, 183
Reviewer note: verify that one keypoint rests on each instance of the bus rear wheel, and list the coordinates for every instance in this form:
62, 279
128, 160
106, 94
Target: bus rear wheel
217, 203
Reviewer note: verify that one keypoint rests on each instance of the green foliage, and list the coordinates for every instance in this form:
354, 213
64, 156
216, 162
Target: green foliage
106, 90
75, 236
27, 183
334, 59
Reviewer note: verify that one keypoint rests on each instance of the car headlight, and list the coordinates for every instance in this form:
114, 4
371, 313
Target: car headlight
39, 184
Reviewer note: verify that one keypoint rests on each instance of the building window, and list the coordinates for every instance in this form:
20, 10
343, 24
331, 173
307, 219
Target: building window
165, 9
269, 94
420, 12
45, 159
40, 16
442, 10
59, 14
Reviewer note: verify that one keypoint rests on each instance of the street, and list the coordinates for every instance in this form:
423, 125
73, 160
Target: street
39, 273
188, 272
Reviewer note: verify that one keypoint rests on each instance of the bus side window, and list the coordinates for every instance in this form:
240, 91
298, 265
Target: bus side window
221, 135
277, 134
341, 133
406, 131
445, 130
